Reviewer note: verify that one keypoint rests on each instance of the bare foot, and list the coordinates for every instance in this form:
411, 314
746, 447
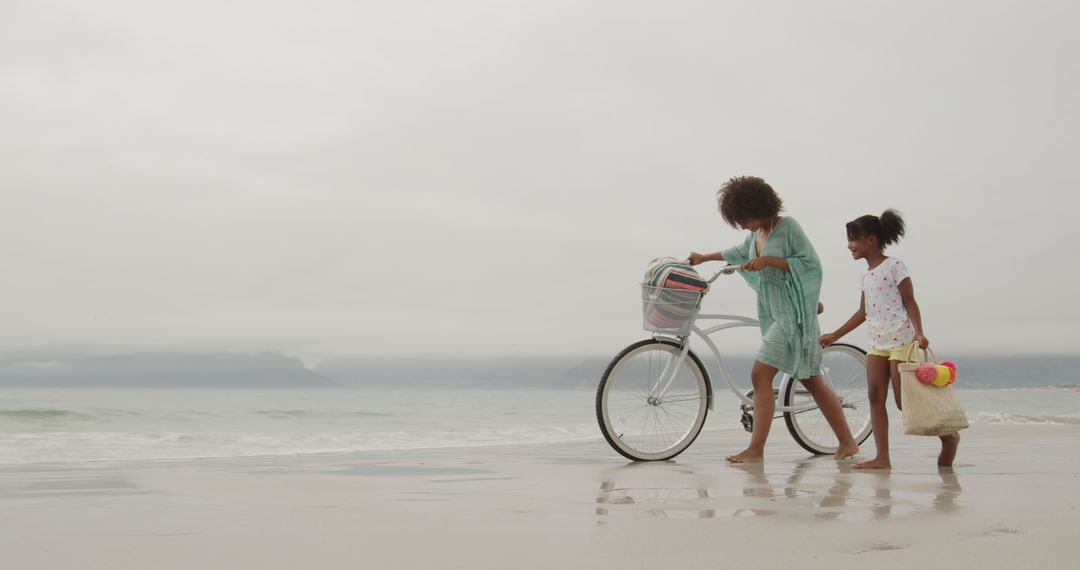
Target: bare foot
949, 444
747, 456
845, 451
875, 463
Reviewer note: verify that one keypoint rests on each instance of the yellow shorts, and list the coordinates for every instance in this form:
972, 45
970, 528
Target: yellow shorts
899, 353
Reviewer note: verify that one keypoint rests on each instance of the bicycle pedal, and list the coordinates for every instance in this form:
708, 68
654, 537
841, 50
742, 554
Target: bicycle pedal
747, 422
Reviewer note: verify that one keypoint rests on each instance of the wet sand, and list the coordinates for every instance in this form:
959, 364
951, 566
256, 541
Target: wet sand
1010, 502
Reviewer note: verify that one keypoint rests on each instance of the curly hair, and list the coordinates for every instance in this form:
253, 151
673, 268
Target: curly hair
888, 228
745, 198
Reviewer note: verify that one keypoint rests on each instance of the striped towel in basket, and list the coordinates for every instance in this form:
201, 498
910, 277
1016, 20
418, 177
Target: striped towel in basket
669, 272
671, 293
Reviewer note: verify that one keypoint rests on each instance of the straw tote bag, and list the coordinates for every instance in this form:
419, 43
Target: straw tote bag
927, 409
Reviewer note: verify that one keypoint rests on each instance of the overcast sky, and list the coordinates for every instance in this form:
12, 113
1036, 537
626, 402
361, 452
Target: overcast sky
490, 178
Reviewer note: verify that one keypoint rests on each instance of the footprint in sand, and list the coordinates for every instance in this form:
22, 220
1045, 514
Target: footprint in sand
880, 547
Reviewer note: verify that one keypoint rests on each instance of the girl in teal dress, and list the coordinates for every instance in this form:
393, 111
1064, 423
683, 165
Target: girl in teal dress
781, 266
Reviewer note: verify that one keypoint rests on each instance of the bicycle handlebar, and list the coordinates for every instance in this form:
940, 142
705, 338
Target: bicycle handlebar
726, 270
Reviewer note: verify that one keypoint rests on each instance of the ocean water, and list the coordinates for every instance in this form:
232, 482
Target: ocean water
74, 425
61, 425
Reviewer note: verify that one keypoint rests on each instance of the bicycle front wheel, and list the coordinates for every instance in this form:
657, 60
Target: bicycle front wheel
844, 371
638, 417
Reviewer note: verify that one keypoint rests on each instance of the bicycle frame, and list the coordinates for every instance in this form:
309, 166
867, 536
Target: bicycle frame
667, 377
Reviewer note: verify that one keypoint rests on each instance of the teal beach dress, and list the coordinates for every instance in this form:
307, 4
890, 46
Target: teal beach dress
786, 301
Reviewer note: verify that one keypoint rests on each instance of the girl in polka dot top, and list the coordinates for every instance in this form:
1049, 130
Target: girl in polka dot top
888, 307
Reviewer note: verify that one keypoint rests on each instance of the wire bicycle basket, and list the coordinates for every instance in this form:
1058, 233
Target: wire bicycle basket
669, 310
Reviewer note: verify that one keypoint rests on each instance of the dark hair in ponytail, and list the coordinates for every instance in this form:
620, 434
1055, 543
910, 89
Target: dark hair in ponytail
888, 228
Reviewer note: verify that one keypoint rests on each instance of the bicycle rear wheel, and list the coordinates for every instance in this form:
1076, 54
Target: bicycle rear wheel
634, 420
844, 371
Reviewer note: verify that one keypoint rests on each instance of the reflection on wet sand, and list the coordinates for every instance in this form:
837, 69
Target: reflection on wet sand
663, 490
651, 500
756, 485
948, 499
814, 487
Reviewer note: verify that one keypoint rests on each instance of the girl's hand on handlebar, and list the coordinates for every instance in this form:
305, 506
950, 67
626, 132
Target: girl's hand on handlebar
827, 339
695, 258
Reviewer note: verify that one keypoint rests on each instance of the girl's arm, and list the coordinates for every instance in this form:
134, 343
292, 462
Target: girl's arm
857, 319
696, 258
907, 295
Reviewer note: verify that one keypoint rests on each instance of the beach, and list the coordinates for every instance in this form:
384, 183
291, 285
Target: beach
1009, 502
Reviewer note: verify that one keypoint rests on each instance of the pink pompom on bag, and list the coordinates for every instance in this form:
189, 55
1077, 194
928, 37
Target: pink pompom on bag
928, 408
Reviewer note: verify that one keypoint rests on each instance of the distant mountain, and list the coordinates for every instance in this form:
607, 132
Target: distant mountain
163, 370
495, 373
277, 370
1016, 371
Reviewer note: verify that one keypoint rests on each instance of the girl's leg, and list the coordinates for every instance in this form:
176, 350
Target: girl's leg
894, 369
761, 376
949, 444
830, 407
877, 381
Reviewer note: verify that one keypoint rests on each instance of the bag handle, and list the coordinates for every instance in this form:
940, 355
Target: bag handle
914, 345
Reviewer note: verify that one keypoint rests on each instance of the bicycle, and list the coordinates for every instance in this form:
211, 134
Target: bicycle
655, 394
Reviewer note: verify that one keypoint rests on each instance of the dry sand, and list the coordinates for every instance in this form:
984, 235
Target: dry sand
1011, 502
